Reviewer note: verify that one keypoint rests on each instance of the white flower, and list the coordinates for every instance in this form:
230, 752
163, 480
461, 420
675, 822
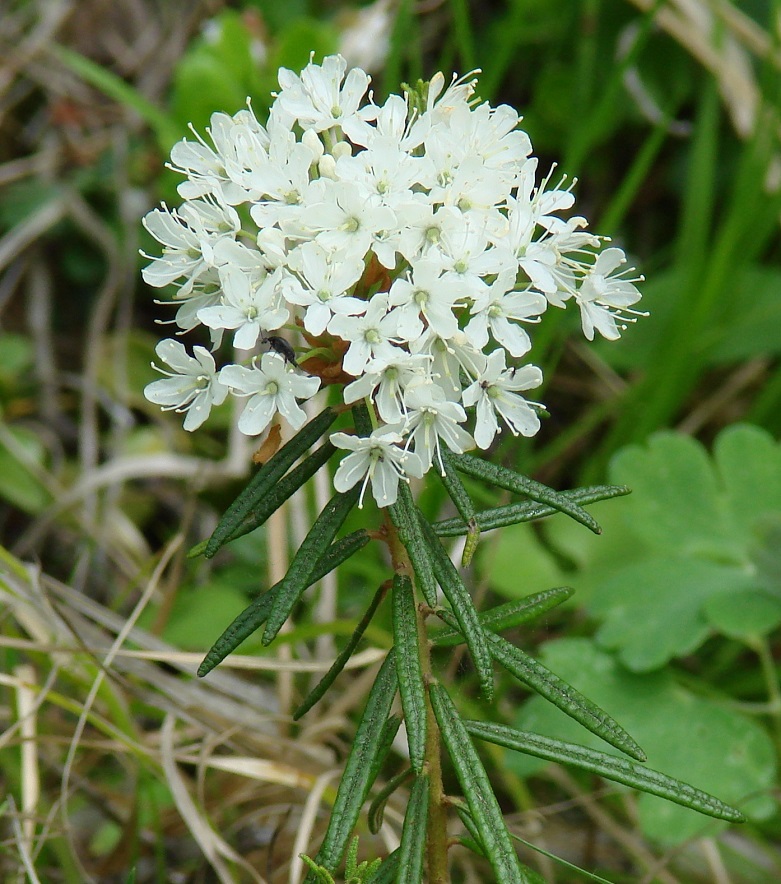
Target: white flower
386, 381
318, 99
321, 284
377, 459
188, 236
371, 336
603, 298
430, 417
417, 233
248, 309
495, 392
346, 217
425, 293
493, 309
272, 387
192, 387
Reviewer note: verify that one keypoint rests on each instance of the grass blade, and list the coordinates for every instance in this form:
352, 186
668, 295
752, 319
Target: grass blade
357, 772
312, 548
609, 766
408, 668
476, 787
495, 474
339, 663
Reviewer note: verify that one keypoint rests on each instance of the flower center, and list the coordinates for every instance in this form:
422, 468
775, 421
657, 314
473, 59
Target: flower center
351, 225
421, 298
324, 295
372, 336
433, 234
336, 112
272, 388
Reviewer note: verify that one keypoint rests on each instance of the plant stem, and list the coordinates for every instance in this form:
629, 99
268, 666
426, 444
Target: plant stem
436, 834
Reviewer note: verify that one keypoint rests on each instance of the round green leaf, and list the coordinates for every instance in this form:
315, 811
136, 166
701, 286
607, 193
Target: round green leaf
745, 615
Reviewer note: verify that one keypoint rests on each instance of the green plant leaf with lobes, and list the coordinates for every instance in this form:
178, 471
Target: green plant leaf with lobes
696, 529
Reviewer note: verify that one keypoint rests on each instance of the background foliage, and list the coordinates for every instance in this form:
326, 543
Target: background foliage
118, 764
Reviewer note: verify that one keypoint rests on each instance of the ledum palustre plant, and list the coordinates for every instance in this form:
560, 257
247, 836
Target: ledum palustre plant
390, 260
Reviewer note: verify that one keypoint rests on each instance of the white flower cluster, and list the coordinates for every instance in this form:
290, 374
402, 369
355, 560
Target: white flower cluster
409, 241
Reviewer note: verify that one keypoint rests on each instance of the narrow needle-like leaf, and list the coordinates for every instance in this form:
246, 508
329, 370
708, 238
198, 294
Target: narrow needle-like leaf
263, 483
609, 766
254, 616
463, 608
356, 777
528, 511
500, 476
463, 503
510, 614
377, 807
403, 514
312, 547
339, 663
413, 835
386, 873
538, 677
411, 686
477, 789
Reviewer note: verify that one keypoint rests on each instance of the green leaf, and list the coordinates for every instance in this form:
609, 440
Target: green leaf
477, 790
408, 668
386, 873
694, 530
514, 513
312, 547
250, 619
463, 503
515, 544
563, 696
413, 835
321, 875
260, 489
377, 807
356, 777
463, 608
748, 461
510, 614
745, 616
609, 766
675, 505
403, 514
22, 457
500, 476
117, 89
253, 617
384, 745
652, 610
339, 663
714, 748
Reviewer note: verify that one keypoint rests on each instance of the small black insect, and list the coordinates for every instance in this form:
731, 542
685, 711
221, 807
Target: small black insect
281, 346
